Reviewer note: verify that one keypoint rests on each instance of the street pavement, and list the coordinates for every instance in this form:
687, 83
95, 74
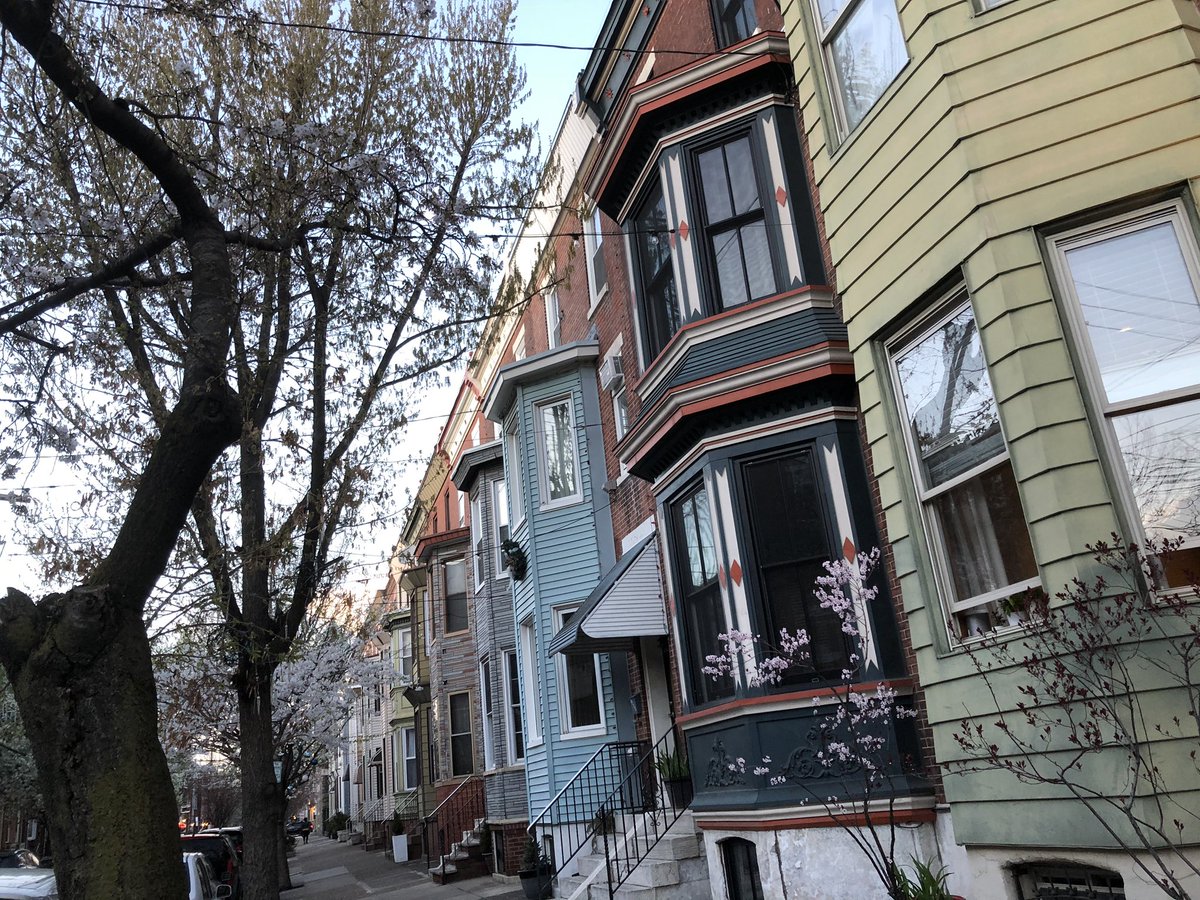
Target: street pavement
328, 870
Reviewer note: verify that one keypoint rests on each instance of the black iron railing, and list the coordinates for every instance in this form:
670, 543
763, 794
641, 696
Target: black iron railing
650, 799
458, 813
576, 813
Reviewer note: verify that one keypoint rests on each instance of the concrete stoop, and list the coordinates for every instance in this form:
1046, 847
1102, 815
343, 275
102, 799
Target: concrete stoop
465, 859
674, 869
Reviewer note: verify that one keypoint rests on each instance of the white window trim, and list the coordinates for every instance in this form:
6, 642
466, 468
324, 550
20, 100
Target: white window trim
478, 558
542, 459
510, 736
532, 705
553, 317
499, 505
593, 243
947, 307
404, 757
516, 469
825, 37
486, 710
1174, 214
451, 734
566, 729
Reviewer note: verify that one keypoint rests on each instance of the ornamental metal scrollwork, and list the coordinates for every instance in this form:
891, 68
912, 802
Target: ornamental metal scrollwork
805, 764
723, 770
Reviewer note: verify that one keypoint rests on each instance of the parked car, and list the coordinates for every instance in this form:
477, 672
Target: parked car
19, 858
233, 832
297, 826
201, 884
222, 856
28, 884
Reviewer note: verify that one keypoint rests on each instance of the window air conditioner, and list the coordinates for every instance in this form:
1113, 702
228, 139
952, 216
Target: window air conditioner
611, 373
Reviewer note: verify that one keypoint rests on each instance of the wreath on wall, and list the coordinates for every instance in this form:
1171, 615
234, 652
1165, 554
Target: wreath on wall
513, 558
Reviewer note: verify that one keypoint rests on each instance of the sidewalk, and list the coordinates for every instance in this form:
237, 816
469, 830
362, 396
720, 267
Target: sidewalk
327, 870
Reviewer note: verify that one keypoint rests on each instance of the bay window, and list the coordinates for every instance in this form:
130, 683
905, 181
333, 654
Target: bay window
864, 51
558, 464
485, 694
454, 577
531, 683
500, 530
514, 730
962, 471
478, 545
1134, 306
735, 20
658, 299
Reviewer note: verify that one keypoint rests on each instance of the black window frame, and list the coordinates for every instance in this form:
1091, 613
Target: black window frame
711, 296
762, 608
730, 18
691, 599
659, 322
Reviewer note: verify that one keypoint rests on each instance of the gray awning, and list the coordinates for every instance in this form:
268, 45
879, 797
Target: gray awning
627, 604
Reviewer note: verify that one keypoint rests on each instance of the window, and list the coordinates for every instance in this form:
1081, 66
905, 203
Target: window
787, 519
519, 343
485, 691
656, 274
699, 594
1059, 882
1132, 285
620, 413
529, 669
499, 522
556, 451
454, 574
404, 652
740, 860
462, 753
513, 729
735, 20
578, 686
593, 243
735, 230
990, 4
553, 318
478, 546
412, 767
962, 471
864, 51
514, 472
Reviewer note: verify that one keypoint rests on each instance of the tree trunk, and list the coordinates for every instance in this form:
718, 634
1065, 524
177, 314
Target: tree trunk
87, 699
263, 797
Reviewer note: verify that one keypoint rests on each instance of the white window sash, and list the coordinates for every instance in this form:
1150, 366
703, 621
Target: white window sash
566, 727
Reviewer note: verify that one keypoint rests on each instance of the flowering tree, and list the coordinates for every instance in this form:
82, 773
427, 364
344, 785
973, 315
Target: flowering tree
1091, 669
855, 735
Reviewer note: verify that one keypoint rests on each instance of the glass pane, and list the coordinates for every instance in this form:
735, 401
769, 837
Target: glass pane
698, 538
829, 10
758, 259
583, 695
460, 714
741, 176
653, 235
983, 528
1141, 310
559, 441
716, 189
868, 51
949, 402
456, 577
731, 280
1161, 449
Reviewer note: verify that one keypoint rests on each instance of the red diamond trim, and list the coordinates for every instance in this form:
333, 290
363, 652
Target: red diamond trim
781, 196
735, 572
683, 230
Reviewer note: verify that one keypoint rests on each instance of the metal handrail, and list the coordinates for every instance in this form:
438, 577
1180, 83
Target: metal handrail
571, 818
654, 805
463, 812
454, 793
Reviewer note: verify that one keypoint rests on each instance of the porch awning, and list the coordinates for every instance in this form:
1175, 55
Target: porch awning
627, 604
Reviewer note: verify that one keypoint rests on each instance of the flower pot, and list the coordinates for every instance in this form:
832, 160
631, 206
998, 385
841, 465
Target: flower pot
680, 791
400, 848
536, 883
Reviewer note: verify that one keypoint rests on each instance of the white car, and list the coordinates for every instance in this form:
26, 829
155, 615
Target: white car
28, 884
201, 884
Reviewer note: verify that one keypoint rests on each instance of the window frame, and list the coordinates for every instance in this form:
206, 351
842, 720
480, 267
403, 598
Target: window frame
825, 38
513, 711
407, 731
568, 730
593, 246
543, 460
446, 597
478, 549
515, 472
553, 317
499, 492
486, 711
531, 699
724, 21
647, 282
711, 300
404, 656
1105, 411
469, 733
950, 305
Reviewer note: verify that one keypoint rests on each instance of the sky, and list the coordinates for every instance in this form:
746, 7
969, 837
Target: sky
551, 75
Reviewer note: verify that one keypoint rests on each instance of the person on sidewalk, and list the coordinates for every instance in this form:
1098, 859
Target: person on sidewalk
308, 827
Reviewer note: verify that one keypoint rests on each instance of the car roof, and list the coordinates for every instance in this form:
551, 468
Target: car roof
19, 884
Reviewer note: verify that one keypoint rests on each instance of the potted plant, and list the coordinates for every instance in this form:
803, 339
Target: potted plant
676, 777
399, 839
536, 873
513, 558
